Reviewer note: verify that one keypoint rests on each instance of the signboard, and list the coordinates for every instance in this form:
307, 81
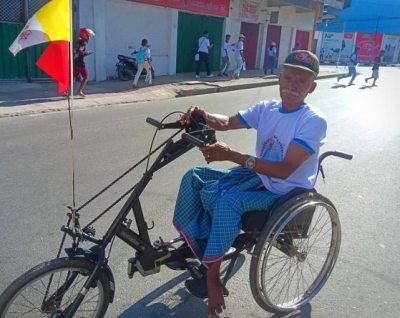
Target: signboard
334, 43
219, 8
248, 11
369, 44
391, 46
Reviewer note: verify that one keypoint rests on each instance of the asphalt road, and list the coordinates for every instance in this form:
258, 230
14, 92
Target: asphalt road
35, 188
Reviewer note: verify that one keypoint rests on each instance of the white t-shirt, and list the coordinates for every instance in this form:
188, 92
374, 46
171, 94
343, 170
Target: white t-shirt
224, 48
272, 52
204, 43
354, 57
238, 48
276, 129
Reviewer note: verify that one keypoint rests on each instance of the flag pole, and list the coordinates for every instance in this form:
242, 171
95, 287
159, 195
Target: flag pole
71, 108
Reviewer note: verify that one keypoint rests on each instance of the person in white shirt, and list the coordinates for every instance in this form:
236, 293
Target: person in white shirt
204, 46
352, 67
225, 57
271, 58
143, 59
239, 57
211, 201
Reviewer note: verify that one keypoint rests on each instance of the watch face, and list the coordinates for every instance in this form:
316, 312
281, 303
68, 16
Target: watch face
251, 162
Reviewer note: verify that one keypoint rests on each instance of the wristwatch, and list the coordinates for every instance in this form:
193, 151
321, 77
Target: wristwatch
250, 162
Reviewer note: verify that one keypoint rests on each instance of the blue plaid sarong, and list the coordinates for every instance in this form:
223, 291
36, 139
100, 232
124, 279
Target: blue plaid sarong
210, 204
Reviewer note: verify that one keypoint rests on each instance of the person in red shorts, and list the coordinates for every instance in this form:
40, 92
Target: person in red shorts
79, 54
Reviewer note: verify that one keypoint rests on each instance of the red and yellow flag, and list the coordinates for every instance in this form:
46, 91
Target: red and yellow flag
50, 24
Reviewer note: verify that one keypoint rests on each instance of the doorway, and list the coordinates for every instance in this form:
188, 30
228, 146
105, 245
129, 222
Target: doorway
250, 31
273, 35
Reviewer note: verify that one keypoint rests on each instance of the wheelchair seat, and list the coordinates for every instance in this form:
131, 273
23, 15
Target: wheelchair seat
256, 220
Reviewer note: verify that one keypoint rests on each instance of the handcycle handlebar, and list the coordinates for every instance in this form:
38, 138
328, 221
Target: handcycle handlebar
160, 125
193, 140
335, 154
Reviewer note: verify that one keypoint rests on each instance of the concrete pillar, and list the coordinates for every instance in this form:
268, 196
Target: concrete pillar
99, 25
173, 42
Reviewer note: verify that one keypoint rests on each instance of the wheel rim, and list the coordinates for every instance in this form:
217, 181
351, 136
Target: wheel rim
28, 301
287, 282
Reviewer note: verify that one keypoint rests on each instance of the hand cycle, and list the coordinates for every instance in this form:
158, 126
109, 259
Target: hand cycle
287, 244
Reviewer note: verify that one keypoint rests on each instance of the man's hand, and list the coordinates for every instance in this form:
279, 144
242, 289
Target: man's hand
185, 119
216, 152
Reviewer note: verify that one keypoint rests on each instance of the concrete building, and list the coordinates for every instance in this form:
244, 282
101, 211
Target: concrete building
172, 28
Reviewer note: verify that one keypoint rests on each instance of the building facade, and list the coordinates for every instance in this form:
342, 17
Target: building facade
372, 26
172, 29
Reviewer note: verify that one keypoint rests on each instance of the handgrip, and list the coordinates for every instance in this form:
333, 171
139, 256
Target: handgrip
342, 155
193, 140
153, 122
335, 154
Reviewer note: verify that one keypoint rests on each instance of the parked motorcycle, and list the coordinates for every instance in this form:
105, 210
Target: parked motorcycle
127, 66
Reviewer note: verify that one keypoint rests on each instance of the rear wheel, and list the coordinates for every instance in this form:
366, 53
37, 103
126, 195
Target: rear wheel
123, 73
295, 253
48, 289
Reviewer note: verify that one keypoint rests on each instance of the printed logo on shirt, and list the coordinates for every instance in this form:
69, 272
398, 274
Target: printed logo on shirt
272, 149
303, 57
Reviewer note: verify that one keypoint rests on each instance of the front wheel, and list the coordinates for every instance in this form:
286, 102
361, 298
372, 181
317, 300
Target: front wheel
295, 253
48, 290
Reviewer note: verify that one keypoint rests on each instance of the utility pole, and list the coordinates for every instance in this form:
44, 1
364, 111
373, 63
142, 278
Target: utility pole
376, 31
316, 16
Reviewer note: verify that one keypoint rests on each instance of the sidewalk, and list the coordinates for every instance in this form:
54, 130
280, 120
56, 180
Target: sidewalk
22, 98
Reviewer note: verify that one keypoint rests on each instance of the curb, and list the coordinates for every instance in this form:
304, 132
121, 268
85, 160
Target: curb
208, 88
222, 89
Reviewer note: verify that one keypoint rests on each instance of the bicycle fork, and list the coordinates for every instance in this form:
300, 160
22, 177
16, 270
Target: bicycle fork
89, 282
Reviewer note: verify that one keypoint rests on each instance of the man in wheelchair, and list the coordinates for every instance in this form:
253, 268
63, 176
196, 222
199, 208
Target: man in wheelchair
211, 201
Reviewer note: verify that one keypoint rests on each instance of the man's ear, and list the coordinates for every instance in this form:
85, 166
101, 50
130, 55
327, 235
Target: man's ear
313, 87
279, 79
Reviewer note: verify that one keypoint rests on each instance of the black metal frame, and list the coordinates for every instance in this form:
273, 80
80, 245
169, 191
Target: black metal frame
148, 258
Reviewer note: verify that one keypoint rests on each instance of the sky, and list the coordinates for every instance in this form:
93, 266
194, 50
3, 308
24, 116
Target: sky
381, 16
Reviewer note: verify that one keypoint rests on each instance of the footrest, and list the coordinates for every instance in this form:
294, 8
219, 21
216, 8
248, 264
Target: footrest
198, 287
182, 265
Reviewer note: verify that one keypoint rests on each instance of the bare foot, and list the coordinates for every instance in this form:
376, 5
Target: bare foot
81, 94
216, 302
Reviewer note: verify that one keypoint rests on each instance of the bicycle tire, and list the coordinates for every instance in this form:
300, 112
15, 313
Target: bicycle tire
51, 268
269, 264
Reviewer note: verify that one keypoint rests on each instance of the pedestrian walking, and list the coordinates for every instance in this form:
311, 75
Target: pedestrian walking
225, 57
375, 68
143, 60
352, 67
321, 54
204, 46
239, 57
79, 67
271, 58
296, 47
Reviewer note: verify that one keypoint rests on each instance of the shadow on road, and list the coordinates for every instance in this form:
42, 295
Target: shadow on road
163, 303
366, 86
337, 85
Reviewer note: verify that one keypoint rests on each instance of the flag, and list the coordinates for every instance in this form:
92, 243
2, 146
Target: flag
55, 62
50, 23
